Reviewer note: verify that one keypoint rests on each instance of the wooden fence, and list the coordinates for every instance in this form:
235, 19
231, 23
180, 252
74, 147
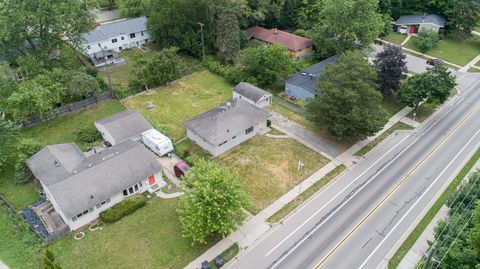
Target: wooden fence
70, 108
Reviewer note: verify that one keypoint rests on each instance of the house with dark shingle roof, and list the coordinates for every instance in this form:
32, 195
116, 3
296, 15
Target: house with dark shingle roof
125, 125
303, 85
412, 24
298, 46
80, 187
226, 126
252, 94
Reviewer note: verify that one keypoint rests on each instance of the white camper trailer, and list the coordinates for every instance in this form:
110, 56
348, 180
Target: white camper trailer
157, 142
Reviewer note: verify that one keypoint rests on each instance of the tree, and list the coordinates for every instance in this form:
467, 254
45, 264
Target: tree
347, 103
463, 18
25, 149
426, 40
80, 84
228, 35
265, 64
213, 204
9, 134
33, 98
346, 25
132, 8
434, 85
42, 25
391, 65
308, 13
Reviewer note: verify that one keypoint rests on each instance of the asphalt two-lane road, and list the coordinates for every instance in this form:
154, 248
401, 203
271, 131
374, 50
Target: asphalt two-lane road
362, 217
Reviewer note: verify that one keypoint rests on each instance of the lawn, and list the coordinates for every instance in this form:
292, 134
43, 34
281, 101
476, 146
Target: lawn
380, 138
59, 130
304, 196
415, 234
451, 50
268, 167
182, 100
395, 38
149, 238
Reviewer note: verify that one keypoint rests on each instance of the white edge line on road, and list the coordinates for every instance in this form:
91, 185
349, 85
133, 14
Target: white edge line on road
276, 263
418, 200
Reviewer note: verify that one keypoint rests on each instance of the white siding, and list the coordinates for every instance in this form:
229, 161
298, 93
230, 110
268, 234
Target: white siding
265, 101
232, 142
105, 134
126, 43
429, 27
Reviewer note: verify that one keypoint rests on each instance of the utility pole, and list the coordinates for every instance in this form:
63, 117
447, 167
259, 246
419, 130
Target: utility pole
203, 42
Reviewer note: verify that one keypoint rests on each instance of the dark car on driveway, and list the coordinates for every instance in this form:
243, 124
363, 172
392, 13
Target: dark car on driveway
435, 62
181, 168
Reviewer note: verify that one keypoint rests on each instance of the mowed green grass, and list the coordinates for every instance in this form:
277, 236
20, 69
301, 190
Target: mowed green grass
19, 246
60, 130
380, 138
395, 38
149, 238
451, 50
182, 100
268, 167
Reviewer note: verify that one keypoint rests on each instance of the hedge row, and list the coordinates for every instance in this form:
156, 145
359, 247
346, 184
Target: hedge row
124, 208
232, 74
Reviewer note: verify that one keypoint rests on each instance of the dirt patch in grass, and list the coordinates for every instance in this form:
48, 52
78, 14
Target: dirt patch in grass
268, 167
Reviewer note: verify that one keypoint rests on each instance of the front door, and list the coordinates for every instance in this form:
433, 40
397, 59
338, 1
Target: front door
412, 29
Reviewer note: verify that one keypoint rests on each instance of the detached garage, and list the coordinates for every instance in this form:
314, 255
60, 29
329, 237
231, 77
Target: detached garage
128, 124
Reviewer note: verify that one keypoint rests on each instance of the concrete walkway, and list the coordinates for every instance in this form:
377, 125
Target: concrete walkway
470, 64
406, 40
3, 266
163, 195
418, 250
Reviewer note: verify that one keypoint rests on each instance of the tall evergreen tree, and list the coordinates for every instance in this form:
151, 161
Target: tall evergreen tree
228, 35
347, 103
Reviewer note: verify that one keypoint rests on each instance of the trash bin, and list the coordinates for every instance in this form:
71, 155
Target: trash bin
219, 261
206, 265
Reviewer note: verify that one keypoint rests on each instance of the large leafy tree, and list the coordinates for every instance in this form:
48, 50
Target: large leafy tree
434, 85
265, 64
80, 84
213, 203
345, 25
391, 65
9, 134
132, 8
426, 40
347, 103
228, 35
42, 25
463, 18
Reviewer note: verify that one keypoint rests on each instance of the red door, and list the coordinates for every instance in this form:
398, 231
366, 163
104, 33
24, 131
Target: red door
151, 180
412, 29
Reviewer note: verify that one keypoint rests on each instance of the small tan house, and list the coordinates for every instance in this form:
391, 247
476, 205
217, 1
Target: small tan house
298, 46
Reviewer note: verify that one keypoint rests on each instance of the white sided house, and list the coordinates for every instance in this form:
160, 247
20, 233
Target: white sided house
80, 187
117, 36
125, 125
226, 126
252, 94
412, 24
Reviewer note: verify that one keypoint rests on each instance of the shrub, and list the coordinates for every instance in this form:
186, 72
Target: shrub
300, 32
124, 208
426, 40
88, 135
92, 71
193, 159
120, 92
230, 73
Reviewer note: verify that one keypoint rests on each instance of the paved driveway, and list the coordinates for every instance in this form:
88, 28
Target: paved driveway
414, 63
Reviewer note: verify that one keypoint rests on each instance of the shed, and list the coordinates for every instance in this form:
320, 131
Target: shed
252, 94
303, 85
128, 124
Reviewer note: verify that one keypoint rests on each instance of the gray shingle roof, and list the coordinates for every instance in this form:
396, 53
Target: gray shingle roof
101, 176
54, 163
113, 29
225, 121
419, 19
125, 124
250, 91
310, 82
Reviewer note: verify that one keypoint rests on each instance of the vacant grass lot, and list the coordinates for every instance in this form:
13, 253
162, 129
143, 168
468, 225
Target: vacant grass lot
268, 167
149, 238
182, 100
59, 130
19, 246
451, 50
380, 138
395, 38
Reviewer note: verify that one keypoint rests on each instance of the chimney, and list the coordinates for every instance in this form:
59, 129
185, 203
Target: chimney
275, 31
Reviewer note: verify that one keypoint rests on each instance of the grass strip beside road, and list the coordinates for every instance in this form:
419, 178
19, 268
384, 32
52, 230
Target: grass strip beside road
282, 213
380, 138
227, 255
422, 225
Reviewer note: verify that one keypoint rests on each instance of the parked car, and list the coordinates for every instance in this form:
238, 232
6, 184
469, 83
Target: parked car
435, 62
181, 168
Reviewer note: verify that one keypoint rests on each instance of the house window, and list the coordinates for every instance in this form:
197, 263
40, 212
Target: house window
99, 45
223, 143
132, 189
122, 38
103, 203
146, 40
74, 219
141, 33
88, 47
132, 35
233, 137
249, 130
114, 40
120, 48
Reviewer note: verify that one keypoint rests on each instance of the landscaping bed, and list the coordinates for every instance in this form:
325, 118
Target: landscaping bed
149, 238
268, 167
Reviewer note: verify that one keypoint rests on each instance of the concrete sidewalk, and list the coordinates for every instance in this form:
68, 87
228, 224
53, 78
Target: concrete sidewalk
3, 266
470, 64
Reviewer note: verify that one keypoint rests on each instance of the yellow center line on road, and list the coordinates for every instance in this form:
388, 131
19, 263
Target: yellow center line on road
393, 190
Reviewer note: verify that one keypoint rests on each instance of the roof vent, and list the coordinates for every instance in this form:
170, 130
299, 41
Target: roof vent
229, 105
57, 163
89, 165
275, 31
74, 171
116, 152
304, 74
